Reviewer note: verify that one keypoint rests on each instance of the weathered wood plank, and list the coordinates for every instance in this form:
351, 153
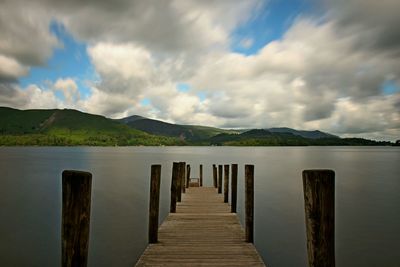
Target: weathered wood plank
202, 232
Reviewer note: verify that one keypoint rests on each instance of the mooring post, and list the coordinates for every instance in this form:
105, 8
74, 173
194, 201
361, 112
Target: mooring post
319, 204
183, 174
249, 202
75, 221
234, 188
219, 179
215, 175
174, 187
226, 183
188, 176
201, 174
154, 203
179, 183
183, 177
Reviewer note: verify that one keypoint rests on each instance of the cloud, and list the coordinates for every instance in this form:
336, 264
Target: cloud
25, 35
31, 97
69, 89
374, 22
10, 69
246, 43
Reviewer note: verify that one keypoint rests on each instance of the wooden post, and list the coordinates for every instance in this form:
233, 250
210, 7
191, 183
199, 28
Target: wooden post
174, 187
226, 183
219, 179
75, 222
184, 178
215, 175
319, 204
188, 176
154, 203
234, 188
249, 202
179, 183
201, 174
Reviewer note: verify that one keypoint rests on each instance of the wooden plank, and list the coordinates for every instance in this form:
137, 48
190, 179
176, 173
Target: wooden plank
202, 232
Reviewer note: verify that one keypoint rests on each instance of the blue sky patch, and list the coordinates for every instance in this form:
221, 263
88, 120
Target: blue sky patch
389, 87
183, 87
69, 61
145, 102
268, 24
202, 96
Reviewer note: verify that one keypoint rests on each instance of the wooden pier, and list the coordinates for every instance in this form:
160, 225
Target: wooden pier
202, 232
202, 229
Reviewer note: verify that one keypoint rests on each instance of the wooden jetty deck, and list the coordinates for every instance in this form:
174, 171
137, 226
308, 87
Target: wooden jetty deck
202, 232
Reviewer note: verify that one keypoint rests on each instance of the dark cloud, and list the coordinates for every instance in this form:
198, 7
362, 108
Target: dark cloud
375, 22
25, 35
10, 96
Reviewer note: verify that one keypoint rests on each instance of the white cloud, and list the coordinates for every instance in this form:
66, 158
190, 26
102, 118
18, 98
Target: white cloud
246, 42
31, 97
10, 69
69, 88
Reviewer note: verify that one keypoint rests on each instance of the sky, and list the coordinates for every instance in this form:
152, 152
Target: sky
305, 64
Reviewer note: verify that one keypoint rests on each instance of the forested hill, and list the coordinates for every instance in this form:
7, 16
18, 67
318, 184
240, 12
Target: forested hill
71, 127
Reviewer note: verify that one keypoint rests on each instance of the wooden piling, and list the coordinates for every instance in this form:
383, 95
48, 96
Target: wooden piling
187, 176
154, 203
226, 183
249, 202
75, 222
179, 183
174, 187
234, 187
319, 204
215, 176
201, 174
219, 179
184, 178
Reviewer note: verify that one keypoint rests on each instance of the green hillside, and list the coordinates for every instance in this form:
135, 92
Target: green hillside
72, 128
191, 133
69, 127
262, 137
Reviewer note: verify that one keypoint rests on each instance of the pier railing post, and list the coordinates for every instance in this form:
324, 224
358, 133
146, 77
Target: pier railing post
319, 204
188, 176
226, 183
234, 187
154, 203
201, 174
249, 202
219, 179
75, 222
174, 187
215, 175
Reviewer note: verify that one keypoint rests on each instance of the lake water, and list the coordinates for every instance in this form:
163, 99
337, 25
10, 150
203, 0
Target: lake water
367, 200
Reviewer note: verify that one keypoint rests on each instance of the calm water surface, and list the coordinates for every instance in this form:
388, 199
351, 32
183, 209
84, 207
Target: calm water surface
367, 200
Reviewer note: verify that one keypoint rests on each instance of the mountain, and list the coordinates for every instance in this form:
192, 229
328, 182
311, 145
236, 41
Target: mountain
306, 134
262, 137
194, 133
69, 127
